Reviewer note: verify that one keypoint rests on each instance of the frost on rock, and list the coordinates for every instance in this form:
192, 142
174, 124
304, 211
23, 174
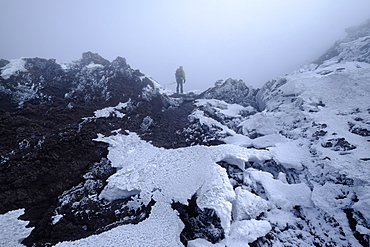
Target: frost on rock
233, 92
148, 93
115, 111
169, 176
176, 175
277, 191
26, 92
315, 125
14, 67
157, 165
248, 205
91, 81
147, 122
81, 206
247, 231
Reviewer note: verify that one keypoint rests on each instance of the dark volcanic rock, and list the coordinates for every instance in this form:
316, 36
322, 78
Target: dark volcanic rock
232, 92
93, 58
47, 127
80, 213
3, 62
338, 144
199, 223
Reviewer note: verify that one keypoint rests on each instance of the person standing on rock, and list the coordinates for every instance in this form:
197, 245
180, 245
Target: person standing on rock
180, 79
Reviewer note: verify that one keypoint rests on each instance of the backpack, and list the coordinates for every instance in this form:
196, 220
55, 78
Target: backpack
179, 73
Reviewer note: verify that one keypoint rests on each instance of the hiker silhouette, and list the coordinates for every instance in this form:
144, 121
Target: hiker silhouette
180, 79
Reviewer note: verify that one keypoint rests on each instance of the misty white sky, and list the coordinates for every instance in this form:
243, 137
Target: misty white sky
252, 40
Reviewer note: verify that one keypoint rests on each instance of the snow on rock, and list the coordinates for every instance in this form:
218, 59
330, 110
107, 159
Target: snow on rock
323, 198
363, 204
318, 121
313, 127
247, 231
290, 154
13, 230
15, 66
228, 110
315, 123
218, 194
278, 192
108, 111
200, 242
169, 176
219, 120
162, 228
231, 91
248, 205
93, 66
352, 48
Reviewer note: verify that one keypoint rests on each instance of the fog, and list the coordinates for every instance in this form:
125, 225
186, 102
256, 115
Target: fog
252, 40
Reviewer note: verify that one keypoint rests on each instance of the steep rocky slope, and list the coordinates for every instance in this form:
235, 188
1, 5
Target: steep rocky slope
354, 47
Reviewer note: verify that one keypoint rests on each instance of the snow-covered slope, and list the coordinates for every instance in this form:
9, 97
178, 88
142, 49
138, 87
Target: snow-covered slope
322, 123
284, 165
355, 47
308, 186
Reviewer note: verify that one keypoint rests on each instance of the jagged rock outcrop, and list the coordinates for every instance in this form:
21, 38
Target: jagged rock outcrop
231, 91
3, 62
355, 47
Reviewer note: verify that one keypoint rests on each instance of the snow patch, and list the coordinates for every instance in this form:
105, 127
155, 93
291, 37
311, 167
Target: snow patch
280, 194
162, 228
203, 120
64, 66
93, 66
247, 231
229, 110
248, 205
56, 218
13, 67
15, 230
108, 111
290, 154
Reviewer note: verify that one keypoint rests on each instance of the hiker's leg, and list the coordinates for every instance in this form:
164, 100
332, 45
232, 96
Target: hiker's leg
182, 87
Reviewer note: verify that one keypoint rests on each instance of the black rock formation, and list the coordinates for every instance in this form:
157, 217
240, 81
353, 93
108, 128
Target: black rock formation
47, 127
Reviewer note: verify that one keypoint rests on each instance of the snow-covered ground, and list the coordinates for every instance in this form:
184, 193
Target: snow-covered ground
294, 110
306, 100
314, 129
167, 176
